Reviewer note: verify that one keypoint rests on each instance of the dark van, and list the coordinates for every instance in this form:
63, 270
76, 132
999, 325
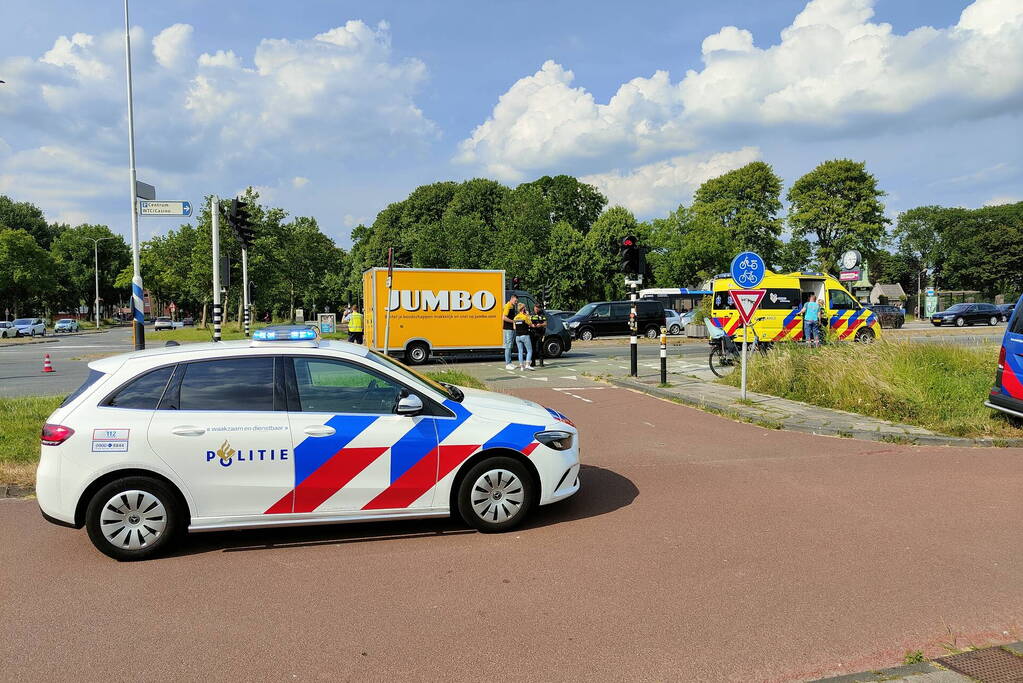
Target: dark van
606, 318
1007, 394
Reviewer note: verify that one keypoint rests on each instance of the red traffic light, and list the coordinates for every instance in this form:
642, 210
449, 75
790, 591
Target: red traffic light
628, 242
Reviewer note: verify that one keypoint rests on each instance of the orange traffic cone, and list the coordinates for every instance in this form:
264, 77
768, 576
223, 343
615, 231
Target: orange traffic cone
47, 365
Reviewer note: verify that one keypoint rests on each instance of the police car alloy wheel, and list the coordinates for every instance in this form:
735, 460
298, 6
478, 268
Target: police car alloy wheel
496, 494
132, 518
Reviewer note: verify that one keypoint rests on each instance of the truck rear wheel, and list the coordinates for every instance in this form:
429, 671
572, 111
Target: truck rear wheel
417, 353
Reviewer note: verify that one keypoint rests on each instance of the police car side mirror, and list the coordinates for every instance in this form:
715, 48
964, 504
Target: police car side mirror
410, 405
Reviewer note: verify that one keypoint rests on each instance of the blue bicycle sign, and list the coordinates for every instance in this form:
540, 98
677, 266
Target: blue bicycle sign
748, 269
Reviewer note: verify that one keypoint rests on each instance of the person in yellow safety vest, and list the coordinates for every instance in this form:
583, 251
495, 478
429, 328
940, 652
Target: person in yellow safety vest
354, 320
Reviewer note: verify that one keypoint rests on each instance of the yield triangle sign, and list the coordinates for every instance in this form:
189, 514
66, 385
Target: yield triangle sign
746, 302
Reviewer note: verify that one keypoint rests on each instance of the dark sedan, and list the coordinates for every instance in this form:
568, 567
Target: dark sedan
890, 317
1005, 310
967, 314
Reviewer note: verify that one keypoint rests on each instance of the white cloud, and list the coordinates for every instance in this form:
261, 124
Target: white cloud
663, 185
833, 73
1004, 199
287, 105
173, 46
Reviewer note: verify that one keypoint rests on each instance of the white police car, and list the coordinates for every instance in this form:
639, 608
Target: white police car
289, 430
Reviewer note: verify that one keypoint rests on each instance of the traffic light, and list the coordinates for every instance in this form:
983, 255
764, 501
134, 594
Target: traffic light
516, 282
545, 293
628, 256
241, 222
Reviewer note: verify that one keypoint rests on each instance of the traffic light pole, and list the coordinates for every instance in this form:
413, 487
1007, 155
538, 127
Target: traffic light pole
215, 232
245, 288
633, 328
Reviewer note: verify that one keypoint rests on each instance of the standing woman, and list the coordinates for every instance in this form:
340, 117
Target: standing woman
522, 340
811, 311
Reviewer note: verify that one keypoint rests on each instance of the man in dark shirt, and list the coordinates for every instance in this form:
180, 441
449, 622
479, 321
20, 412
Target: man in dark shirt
537, 330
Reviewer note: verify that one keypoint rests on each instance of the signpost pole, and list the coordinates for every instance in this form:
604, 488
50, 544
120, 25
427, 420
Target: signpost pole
744, 336
245, 287
215, 233
137, 292
387, 301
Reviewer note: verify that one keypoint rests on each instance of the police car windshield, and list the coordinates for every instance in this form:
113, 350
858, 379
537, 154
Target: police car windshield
402, 369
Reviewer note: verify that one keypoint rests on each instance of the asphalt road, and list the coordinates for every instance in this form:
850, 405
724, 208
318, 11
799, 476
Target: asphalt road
697, 549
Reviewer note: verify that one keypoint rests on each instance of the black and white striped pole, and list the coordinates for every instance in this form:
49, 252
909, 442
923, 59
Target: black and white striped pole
664, 355
245, 286
215, 234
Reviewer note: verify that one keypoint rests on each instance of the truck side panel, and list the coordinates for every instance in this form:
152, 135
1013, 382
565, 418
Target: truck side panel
449, 309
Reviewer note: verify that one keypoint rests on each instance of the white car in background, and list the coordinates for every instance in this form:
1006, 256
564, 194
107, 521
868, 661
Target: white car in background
30, 327
288, 430
66, 325
676, 322
7, 329
165, 323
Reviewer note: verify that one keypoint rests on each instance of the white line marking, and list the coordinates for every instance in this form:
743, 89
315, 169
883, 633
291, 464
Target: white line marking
538, 379
579, 388
569, 377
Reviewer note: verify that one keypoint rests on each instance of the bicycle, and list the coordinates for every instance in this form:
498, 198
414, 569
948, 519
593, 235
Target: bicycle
726, 353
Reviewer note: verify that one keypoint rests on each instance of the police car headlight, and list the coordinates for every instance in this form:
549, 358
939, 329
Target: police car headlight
557, 439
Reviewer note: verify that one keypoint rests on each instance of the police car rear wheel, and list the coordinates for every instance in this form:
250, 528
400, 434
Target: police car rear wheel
496, 494
133, 518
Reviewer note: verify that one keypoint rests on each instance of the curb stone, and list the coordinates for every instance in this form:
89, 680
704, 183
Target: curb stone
830, 423
16, 491
11, 345
928, 672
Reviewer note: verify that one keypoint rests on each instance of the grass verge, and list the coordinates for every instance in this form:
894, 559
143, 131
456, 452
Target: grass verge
22, 418
456, 377
938, 387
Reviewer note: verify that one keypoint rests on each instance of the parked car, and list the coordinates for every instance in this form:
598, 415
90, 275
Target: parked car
1005, 310
890, 316
676, 322
66, 325
189, 322
556, 339
1007, 393
7, 329
967, 314
559, 314
606, 318
165, 323
30, 327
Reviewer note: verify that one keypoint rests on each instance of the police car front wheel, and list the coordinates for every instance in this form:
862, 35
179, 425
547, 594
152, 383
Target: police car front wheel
133, 518
496, 494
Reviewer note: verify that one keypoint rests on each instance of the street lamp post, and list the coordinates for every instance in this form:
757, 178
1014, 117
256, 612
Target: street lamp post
95, 258
137, 291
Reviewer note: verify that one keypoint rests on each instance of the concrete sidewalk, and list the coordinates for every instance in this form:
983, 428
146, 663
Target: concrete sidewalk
696, 389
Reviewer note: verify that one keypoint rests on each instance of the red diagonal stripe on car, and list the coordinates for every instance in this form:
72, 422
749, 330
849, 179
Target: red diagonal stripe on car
332, 476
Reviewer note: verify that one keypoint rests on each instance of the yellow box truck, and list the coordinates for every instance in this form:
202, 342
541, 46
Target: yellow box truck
433, 311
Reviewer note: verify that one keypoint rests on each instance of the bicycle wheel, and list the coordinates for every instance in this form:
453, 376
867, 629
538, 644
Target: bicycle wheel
721, 364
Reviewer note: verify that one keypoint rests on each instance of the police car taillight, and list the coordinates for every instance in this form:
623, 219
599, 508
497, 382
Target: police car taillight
54, 435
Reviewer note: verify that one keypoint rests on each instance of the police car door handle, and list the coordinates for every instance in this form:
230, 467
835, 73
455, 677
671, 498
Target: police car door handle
319, 430
188, 430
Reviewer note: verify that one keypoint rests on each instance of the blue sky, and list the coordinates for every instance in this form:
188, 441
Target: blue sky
334, 109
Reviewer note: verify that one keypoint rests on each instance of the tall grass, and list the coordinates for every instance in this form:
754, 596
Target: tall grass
21, 420
941, 387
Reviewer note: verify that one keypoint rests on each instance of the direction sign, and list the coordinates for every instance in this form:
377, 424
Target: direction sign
165, 208
746, 302
748, 269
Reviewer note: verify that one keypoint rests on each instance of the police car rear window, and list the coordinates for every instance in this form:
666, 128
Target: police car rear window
143, 393
94, 376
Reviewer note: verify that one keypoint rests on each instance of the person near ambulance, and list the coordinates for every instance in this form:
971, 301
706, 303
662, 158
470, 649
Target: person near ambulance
354, 320
537, 330
811, 312
508, 324
522, 323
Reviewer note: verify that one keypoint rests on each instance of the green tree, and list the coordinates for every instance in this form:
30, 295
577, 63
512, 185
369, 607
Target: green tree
26, 272
794, 255
74, 252
566, 265
604, 240
567, 199
690, 247
745, 202
28, 217
837, 206
523, 234
981, 249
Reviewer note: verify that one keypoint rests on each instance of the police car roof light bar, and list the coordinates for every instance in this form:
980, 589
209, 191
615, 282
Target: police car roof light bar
285, 333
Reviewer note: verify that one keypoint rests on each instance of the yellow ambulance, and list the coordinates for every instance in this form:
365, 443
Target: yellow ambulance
844, 317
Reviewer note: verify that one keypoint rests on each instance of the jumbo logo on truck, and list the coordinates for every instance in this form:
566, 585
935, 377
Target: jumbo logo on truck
443, 300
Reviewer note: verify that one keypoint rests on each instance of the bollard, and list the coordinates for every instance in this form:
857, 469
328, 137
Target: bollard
664, 355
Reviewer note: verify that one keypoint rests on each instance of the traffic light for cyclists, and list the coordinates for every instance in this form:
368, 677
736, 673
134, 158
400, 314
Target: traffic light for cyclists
241, 222
628, 256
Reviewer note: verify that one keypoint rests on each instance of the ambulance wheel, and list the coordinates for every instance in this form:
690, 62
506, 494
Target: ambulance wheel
496, 494
586, 334
552, 348
417, 353
865, 336
133, 518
